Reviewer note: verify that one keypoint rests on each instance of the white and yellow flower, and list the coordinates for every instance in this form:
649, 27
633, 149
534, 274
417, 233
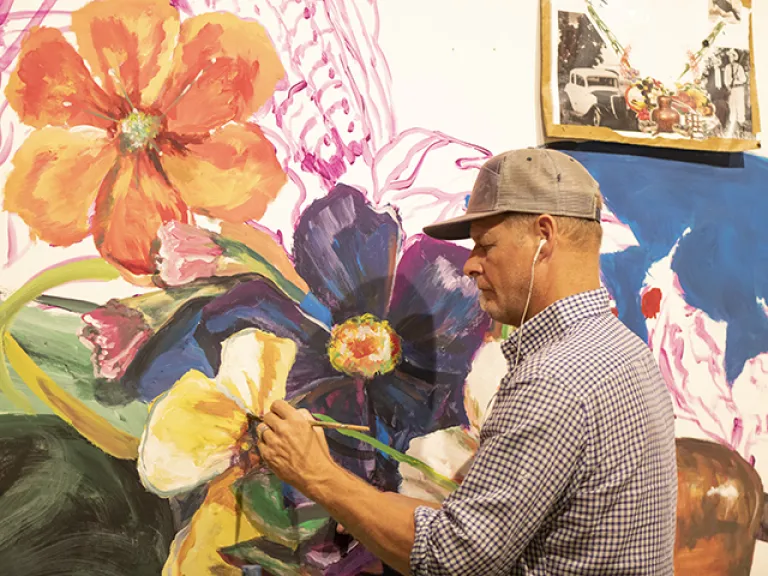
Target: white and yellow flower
201, 431
451, 451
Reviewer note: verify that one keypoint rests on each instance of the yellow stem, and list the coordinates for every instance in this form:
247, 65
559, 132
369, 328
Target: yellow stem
92, 426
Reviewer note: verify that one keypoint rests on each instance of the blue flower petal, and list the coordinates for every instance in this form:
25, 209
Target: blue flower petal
346, 252
435, 308
169, 354
192, 339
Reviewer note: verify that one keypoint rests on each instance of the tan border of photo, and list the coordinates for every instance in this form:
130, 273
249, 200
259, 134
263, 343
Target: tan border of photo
558, 132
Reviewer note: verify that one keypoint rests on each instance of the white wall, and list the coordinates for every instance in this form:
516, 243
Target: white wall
471, 69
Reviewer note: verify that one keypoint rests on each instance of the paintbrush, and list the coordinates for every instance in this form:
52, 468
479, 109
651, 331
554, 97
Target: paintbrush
339, 426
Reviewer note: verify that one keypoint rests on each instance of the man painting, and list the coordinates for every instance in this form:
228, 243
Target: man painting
576, 471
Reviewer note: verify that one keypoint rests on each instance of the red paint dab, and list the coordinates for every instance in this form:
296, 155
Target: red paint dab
651, 303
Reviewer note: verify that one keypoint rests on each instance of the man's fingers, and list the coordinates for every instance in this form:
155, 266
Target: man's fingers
273, 421
283, 409
306, 414
260, 430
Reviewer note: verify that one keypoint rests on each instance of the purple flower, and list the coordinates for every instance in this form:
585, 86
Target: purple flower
385, 336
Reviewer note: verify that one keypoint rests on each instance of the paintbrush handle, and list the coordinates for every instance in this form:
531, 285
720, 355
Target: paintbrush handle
338, 426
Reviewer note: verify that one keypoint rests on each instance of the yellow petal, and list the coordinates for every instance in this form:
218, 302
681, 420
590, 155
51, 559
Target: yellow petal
194, 551
192, 435
254, 368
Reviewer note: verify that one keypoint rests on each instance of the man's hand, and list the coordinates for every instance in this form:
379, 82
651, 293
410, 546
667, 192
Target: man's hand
298, 454
295, 451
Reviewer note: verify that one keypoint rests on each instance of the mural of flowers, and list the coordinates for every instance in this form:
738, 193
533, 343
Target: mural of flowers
385, 339
164, 131
149, 118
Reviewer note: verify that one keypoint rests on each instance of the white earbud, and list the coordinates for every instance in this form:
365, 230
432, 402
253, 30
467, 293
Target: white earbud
538, 250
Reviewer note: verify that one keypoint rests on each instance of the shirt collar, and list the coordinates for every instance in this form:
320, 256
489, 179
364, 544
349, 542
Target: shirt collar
554, 320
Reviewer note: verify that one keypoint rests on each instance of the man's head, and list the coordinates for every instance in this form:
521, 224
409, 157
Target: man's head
521, 198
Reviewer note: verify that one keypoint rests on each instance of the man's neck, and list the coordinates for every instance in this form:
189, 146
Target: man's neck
565, 285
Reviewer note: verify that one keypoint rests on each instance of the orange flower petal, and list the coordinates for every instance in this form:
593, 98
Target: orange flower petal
133, 202
194, 551
224, 69
52, 87
233, 175
128, 44
55, 179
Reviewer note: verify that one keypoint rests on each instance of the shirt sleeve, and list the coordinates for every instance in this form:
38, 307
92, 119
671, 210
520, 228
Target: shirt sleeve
518, 476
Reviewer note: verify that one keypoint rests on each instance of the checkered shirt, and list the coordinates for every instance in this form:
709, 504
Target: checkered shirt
576, 472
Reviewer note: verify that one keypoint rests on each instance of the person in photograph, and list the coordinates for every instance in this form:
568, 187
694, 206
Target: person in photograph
735, 79
715, 88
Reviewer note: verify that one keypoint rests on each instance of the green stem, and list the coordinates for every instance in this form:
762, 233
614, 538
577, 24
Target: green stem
258, 264
428, 471
90, 269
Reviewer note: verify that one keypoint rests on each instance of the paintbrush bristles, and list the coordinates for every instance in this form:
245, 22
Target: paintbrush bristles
339, 426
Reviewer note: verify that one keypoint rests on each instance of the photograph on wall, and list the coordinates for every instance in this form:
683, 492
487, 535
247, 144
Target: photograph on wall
629, 72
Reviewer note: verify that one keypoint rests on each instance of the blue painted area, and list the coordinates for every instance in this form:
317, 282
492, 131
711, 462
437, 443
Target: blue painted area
382, 435
173, 353
312, 306
722, 263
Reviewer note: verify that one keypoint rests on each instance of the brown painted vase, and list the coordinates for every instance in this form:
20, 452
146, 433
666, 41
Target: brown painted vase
665, 116
719, 508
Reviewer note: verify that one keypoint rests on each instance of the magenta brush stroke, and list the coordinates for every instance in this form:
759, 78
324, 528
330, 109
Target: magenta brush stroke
335, 107
13, 50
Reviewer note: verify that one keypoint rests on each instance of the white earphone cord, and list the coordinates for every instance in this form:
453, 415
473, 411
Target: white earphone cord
522, 323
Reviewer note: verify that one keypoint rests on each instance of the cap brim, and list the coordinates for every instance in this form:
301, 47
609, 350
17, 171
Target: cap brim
458, 228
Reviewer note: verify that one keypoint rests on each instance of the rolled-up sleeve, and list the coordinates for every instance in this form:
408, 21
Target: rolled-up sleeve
534, 446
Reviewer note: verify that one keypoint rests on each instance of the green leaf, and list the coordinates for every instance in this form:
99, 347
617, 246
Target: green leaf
430, 472
50, 337
263, 505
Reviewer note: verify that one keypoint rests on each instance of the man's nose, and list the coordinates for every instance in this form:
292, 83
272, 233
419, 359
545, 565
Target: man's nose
472, 267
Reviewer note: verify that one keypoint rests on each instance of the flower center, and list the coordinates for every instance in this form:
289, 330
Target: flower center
137, 130
364, 346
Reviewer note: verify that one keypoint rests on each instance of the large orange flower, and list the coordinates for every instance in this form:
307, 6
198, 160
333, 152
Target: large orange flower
146, 124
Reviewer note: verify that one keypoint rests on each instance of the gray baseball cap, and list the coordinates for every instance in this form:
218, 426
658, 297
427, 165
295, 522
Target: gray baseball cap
530, 181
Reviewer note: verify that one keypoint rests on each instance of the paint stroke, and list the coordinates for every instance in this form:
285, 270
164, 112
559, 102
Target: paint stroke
720, 503
335, 110
68, 508
710, 332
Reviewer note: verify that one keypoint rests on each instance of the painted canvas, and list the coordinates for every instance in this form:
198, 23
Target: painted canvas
209, 205
653, 73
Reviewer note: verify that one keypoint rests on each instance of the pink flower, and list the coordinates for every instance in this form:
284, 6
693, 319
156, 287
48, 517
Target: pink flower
689, 347
114, 333
186, 253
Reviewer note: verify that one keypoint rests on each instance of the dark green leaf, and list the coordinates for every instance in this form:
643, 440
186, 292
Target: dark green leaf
275, 559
